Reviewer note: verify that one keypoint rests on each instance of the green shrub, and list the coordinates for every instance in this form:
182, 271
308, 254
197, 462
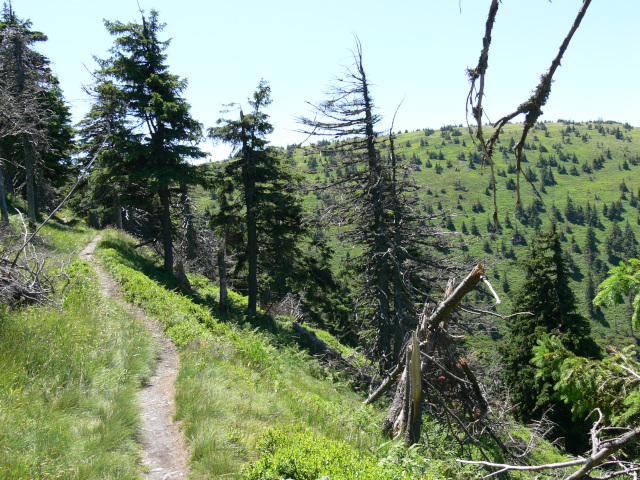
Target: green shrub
304, 456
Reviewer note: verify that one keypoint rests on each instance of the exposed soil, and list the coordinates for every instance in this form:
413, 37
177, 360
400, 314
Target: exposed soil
164, 448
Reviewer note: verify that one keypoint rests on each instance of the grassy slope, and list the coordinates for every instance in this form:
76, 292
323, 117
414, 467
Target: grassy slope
255, 405
239, 377
252, 401
598, 187
69, 377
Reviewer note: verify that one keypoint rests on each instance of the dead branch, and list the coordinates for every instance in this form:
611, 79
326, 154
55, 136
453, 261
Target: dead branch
333, 355
446, 380
532, 108
477, 311
601, 451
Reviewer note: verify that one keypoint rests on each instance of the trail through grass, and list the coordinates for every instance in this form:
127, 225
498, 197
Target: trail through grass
68, 387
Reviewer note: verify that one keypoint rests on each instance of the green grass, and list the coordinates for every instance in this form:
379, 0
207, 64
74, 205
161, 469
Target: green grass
68, 387
237, 381
598, 187
254, 404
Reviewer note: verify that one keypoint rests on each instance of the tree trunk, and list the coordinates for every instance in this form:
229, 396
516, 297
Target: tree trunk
381, 269
190, 234
166, 230
222, 269
435, 361
249, 180
29, 164
252, 250
3, 200
119, 213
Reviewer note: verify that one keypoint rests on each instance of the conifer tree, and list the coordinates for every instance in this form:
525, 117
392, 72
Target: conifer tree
546, 293
160, 134
265, 198
379, 208
35, 131
629, 243
614, 243
590, 245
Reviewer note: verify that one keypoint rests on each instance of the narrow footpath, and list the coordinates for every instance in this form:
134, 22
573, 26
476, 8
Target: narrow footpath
164, 448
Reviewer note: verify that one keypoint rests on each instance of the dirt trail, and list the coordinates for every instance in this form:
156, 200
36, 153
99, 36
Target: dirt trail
164, 448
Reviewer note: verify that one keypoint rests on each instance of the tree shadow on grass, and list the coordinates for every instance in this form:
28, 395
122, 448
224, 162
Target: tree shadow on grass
279, 328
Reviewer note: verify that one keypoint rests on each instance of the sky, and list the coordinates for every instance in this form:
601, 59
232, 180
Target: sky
415, 52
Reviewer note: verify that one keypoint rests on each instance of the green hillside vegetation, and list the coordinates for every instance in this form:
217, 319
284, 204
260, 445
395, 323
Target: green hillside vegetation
69, 377
373, 305
254, 403
593, 166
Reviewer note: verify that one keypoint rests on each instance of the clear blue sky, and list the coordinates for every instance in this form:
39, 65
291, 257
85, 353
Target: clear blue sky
416, 50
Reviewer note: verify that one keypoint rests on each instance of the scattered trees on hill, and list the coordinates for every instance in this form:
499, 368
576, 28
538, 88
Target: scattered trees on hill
532, 108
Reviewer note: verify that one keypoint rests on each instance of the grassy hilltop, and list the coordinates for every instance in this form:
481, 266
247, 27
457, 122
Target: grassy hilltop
594, 163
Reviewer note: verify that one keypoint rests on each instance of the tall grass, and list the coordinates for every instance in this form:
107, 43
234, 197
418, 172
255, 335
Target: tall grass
237, 380
68, 387
254, 404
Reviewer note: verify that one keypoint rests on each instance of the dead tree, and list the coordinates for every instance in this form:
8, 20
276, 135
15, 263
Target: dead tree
603, 455
375, 206
430, 375
23, 113
532, 108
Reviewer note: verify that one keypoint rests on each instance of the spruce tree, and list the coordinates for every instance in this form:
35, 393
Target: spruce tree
590, 245
379, 209
614, 243
257, 190
35, 132
547, 295
161, 135
629, 243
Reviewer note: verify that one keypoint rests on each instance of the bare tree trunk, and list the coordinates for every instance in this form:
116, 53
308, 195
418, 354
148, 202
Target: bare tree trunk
190, 233
3, 200
29, 164
119, 213
222, 269
166, 230
431, 340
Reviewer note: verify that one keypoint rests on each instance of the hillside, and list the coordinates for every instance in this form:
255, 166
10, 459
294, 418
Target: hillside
252, 401
592, 166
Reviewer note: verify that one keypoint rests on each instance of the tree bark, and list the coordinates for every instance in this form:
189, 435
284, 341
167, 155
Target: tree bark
249, 180
190, 234
3, 200
167, 241
222, 269
29, 165
119, 213
405, 411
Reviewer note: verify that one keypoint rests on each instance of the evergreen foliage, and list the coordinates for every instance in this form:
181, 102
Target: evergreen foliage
547, 295
258, 195
624, 280
36, 138
155, 134
380, 209
611, 384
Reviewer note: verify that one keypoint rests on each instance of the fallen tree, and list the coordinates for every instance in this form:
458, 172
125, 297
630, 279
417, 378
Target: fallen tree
430, 375
333, 357
602, 451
